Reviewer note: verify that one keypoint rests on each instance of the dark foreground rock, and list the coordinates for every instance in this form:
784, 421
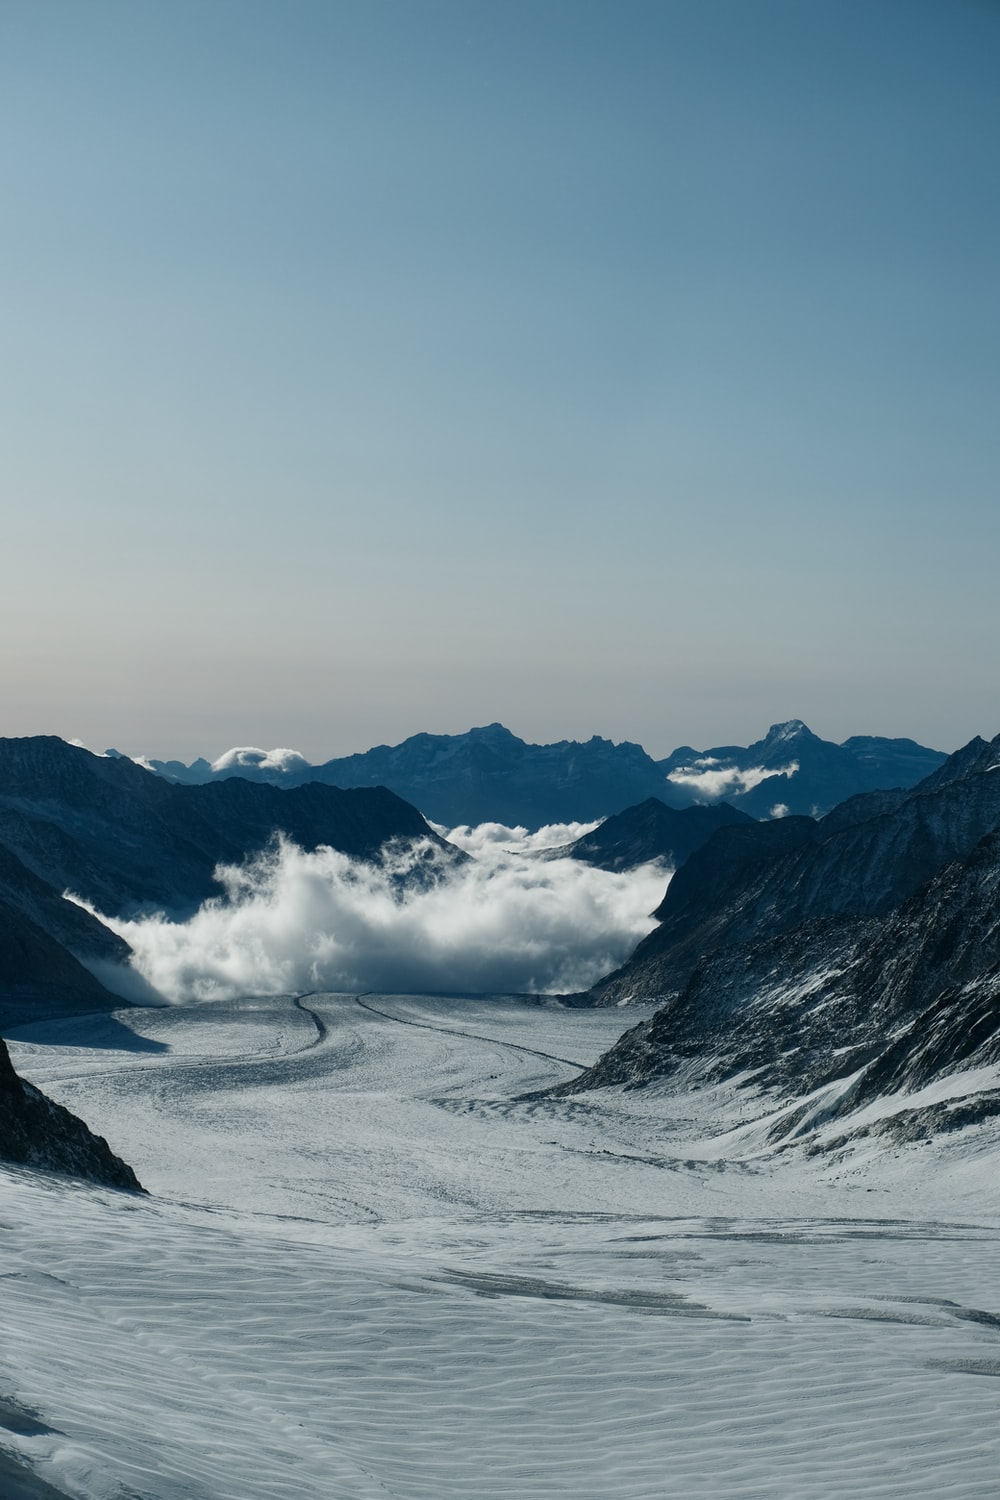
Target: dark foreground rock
35, 1132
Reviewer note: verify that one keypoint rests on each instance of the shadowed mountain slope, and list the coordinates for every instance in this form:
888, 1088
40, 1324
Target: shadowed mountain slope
762, 879
851, 975
125, 839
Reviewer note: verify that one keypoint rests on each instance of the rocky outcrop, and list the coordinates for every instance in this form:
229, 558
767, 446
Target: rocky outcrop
34, 1132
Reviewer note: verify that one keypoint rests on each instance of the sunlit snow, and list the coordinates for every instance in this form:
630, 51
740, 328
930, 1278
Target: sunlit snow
370, 1267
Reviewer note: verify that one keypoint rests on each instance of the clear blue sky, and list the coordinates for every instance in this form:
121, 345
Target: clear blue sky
372, 366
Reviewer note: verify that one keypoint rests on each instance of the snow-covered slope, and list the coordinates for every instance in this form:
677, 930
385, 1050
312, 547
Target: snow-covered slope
368, 1271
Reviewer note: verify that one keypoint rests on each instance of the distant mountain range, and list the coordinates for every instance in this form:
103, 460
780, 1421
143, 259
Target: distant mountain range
833, 965
489, 775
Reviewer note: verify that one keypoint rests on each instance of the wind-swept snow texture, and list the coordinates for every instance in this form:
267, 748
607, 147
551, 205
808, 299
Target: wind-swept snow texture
371, 1267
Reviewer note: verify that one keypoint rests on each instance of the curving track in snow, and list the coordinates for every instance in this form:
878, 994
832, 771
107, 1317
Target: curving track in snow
367, 1271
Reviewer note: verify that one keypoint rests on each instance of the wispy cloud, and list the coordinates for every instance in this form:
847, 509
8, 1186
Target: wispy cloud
706, 781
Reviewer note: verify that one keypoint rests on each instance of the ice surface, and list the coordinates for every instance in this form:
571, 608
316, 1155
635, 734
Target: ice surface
369, 1269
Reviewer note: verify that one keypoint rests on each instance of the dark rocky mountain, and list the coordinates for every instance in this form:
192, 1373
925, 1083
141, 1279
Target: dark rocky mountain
126, 839
792, 770
862, 859
489, 775
650, 831
840, 967
35, 1132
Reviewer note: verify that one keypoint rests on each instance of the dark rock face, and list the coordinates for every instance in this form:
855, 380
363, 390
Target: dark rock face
855, 964
34, 1132
125, 839
651, 831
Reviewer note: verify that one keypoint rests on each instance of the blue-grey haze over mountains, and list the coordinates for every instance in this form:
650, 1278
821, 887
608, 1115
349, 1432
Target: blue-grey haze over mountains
375, 367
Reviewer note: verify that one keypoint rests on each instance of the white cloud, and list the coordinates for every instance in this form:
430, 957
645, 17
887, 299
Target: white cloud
712, 784
503, 922
248, 757
486, 840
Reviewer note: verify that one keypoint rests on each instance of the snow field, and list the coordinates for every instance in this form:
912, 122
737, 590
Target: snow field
366, 1271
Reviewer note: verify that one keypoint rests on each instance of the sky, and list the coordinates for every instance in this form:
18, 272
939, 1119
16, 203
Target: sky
379, 366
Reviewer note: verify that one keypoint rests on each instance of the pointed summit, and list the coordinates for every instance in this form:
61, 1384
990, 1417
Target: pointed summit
791, 729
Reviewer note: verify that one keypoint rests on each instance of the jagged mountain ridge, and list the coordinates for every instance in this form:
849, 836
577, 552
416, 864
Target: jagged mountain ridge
792, 770
490, 775
486, 775
862, 859
877, 1016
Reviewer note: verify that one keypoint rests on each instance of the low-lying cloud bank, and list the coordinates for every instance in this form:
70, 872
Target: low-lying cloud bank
418, 921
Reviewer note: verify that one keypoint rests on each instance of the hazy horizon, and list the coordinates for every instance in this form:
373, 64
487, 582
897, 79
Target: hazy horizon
375, 368
292, 752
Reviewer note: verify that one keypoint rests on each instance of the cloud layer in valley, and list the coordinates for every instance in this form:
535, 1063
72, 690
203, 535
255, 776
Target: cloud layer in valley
419, 921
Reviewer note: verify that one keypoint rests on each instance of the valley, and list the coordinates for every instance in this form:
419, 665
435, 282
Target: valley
378, 1260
